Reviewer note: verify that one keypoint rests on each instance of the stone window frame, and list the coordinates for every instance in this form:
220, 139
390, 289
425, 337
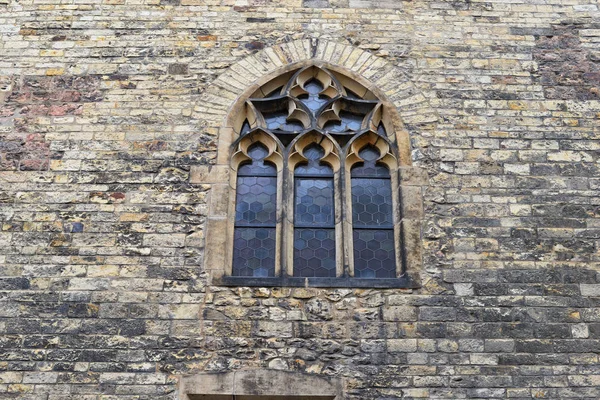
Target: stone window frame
218, 244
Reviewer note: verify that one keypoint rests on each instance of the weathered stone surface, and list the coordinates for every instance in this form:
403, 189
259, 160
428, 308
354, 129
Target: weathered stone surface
115, 173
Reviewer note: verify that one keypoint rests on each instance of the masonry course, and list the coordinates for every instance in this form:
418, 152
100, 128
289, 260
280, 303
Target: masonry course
107, 108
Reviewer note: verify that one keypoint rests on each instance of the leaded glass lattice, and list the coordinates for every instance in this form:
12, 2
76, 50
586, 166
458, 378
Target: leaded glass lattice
374, 255
372, 218
255, 216
314, 252
254, 252
314, 249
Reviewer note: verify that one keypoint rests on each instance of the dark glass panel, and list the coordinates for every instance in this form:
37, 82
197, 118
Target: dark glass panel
314, 202
371, 202
349, 122
314, 153
370, 168
381, 130
254, 252
314, 249
278, 121
245, 128
257, 166
256, 200
369, 154
314, 253
313, 169
372, 218
313, 100
256, 203
374, 254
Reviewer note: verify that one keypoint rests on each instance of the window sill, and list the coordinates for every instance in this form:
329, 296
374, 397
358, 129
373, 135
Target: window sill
403, 282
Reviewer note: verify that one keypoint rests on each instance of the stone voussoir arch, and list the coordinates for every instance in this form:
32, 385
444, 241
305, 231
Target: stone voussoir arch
218, 102
224, 98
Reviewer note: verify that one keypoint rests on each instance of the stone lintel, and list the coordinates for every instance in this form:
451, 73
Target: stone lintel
260, 384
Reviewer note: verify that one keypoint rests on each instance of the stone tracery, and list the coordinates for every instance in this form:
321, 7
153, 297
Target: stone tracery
299, 116
313, 99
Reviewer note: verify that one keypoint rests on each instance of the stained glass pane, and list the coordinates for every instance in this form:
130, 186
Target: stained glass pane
254, 252
374, 255
372, 218
245, 128
278, 121
314, 249
349, 122
257, 166
313, 100
255, 216
274, 93
256, 200
370, 168
314, 167
314, 202
350, 94
369, 154
314, 253
371, 202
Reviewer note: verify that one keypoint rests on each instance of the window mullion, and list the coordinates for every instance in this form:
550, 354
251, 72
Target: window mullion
287, 221
279, 227
341, 260
348, 223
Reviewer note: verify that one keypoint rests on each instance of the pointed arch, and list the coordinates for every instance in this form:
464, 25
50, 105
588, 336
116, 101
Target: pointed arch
278, 80
222, 102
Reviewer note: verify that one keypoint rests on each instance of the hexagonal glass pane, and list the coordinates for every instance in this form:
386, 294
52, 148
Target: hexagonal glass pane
370, 167
254, 252
373, 207
259, 206
374, 255
313, 166
318, 259
314, 202
313, 100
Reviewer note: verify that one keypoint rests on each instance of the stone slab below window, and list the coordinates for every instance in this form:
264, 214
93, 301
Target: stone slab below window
259, 385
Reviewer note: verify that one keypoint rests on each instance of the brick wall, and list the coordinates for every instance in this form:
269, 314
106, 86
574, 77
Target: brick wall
105, 107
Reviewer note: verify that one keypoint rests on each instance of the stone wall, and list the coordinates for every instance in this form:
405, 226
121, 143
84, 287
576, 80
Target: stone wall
106, 106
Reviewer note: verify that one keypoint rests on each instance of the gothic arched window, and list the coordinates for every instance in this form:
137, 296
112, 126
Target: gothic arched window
315, 172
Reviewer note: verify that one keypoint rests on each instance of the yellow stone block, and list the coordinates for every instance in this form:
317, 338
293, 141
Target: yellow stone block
133, 217
55, 71
52, 53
